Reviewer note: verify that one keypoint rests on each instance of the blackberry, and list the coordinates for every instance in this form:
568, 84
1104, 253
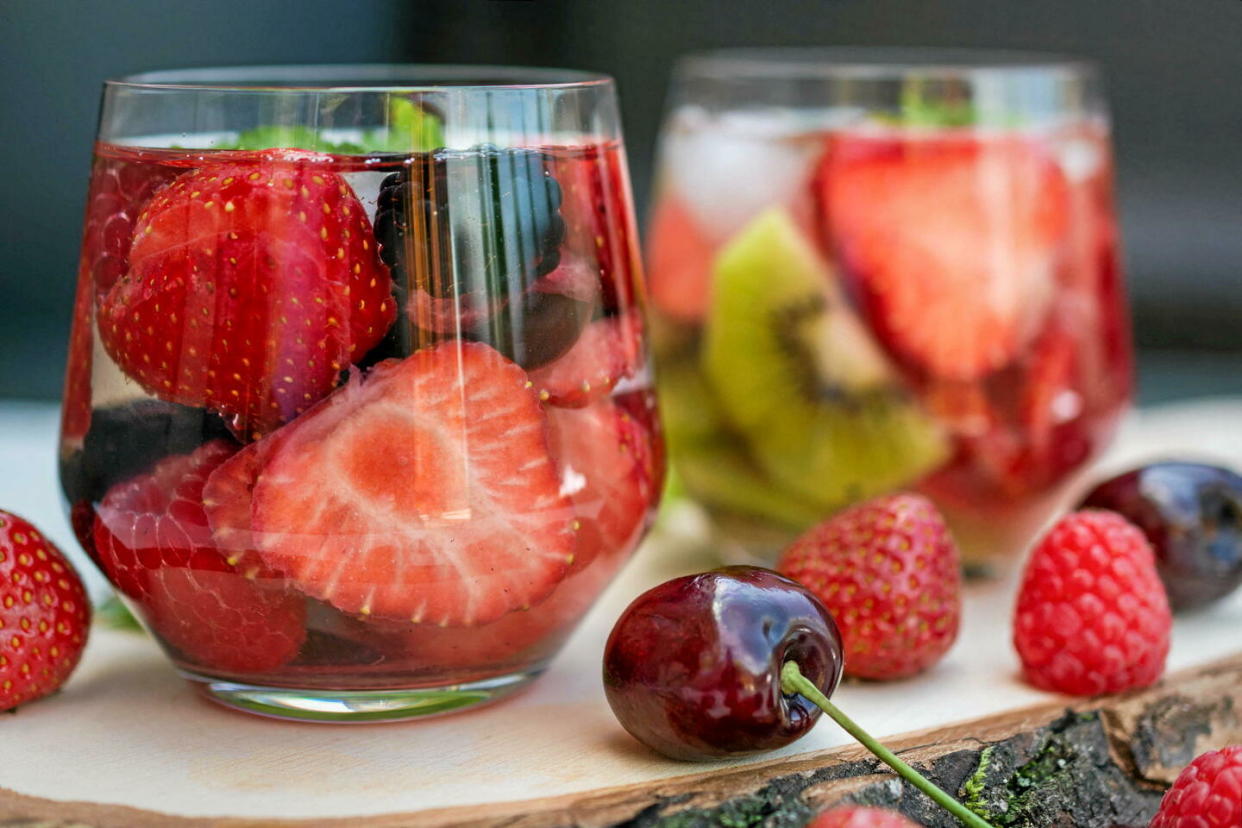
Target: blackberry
128, 439
486, 220
472, 234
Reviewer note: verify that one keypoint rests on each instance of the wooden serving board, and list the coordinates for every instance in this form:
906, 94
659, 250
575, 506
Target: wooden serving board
128, 743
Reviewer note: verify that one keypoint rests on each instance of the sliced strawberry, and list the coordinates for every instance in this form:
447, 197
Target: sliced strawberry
609, 464
1025, 430
422, 490
610, 460
573, 279
533, 328
952, 243
153, 541
224, 621
451, 315
599, 220
641, 405
156, 520
227, 497
75, 413
119, 189
251, 286
606, 457
679, 260
511, 640
607, 351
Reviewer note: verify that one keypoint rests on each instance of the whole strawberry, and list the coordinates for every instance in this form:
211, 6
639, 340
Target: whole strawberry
44, 614
888, 572
856, 816
1092, 616
1207, 794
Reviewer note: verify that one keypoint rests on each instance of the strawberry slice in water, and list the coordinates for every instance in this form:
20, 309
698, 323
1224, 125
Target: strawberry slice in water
599, 222
422, 491
607, 457
607, 351
153, 541
680, 259
952, 243
607, 461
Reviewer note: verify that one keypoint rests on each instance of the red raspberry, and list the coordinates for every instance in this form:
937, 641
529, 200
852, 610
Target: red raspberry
1092, 616
1207, 794
850, 816
888, 572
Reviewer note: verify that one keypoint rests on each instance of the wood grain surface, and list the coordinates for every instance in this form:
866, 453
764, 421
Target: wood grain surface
127, 744
1101, 762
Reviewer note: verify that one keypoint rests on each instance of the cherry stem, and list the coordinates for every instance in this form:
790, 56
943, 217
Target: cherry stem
794, 682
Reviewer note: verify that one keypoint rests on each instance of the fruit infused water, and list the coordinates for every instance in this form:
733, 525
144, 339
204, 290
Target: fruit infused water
360, 433
891, 278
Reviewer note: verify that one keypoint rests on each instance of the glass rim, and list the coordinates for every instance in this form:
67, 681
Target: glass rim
361, 77
879, 63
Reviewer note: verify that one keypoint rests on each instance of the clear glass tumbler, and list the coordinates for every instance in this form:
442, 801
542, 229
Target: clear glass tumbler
358, 417
874, 270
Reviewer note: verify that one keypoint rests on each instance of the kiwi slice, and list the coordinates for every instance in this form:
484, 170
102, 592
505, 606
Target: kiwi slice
711, 461
797, 374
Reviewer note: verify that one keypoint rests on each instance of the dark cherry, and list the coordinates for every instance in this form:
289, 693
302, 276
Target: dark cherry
1192, 515
692, 668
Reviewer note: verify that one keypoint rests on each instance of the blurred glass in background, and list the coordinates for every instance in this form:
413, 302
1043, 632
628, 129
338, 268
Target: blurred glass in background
1169, 67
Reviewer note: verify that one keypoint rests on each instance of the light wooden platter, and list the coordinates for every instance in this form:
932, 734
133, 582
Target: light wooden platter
128, 743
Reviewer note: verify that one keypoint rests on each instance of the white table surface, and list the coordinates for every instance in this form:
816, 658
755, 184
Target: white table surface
127, 730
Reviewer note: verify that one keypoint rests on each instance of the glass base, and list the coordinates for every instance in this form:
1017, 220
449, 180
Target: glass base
357, 706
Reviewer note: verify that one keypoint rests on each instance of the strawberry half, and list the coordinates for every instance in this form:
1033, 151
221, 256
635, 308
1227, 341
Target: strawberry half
607, 461
252, 284
514, 639
75, 413
422, 491
153, 541
952, 243
679, 259
599, 221
608, 457
607, 351
1026, 429
119, 189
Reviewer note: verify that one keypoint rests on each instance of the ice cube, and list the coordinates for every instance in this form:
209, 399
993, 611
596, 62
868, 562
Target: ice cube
1081, 158
726, 171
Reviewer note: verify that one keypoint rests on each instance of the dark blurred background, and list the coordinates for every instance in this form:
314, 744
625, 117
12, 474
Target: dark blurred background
1172, 68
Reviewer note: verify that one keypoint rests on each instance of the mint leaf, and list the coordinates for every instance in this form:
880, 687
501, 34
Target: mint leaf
917, 108
112, 613
410, 129
944, 105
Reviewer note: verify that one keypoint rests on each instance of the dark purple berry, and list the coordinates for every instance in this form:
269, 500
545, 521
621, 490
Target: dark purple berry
126, 440
481, 220
692, 667
1192, 515
472, 238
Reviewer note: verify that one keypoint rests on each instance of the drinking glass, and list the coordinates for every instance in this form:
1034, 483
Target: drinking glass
873, 271
358, 419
